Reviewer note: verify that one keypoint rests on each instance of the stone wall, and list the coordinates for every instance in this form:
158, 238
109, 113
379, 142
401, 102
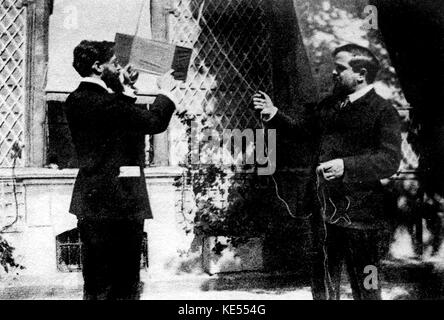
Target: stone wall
47, 195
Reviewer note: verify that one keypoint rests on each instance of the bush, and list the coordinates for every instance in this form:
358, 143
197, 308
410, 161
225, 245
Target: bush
7, 261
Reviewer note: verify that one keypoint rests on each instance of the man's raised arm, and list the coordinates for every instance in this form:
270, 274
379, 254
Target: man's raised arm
153, 121
302, 124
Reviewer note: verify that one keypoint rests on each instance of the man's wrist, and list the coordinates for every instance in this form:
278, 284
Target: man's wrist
343, 167
271, 115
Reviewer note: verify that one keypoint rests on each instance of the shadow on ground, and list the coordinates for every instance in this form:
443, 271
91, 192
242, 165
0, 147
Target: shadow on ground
401, 280
274, 283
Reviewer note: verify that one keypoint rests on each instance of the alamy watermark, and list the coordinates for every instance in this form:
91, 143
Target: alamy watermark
371, 19
234, 148
371, 279
71, 20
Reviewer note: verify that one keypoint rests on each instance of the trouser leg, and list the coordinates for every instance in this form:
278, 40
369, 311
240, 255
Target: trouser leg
363, 265
317, 257
327, 260
126, 268
334, 261
111, 252
96, 263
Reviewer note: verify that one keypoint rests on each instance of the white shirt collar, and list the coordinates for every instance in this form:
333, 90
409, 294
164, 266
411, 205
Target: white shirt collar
100, 82
360, 93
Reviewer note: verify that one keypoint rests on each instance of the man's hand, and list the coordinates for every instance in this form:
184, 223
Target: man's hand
332, 169
167, 82
263, 103
129, 76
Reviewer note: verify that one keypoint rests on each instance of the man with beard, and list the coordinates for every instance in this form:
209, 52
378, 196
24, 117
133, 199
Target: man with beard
359, 143
110, 196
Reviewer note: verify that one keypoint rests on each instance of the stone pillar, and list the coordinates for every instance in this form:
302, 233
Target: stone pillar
159, 31
36, 60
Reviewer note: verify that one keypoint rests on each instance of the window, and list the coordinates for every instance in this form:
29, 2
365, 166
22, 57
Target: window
68, 251
60, 150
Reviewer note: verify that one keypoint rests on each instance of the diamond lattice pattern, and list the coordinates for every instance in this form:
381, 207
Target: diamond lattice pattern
12, 82
231, 57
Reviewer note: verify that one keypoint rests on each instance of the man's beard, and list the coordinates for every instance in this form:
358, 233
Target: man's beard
112, 81
340, 90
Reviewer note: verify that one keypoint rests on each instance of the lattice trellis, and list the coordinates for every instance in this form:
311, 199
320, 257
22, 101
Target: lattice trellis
12, 78
231, 58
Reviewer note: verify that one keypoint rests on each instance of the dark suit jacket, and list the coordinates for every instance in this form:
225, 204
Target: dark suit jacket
366, 135
108, 131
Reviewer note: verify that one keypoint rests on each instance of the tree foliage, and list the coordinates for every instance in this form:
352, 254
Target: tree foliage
7, 260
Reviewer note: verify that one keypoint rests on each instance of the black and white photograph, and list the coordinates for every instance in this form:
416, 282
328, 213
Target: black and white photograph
221, 150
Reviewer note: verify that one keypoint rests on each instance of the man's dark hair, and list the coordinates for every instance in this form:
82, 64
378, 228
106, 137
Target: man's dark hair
88, 52
362, 58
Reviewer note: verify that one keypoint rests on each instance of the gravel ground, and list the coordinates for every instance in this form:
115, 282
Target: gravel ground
402, 280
